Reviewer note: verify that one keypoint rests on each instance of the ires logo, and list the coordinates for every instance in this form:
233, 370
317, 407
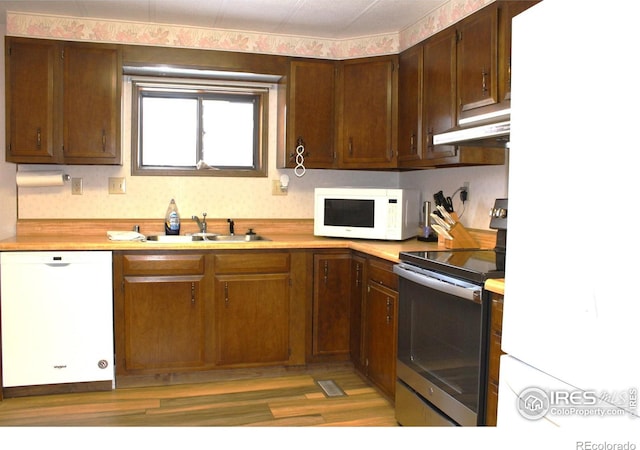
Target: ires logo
535, 403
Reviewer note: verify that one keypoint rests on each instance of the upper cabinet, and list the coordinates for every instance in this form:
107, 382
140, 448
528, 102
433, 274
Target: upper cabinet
410, 115
31, 100
341, 115
92, 81
459, 72
310, 136
484, 58
477, 61
63, 102
367, 95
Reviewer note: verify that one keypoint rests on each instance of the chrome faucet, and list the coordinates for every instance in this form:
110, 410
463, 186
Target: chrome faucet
231, 224
202, 225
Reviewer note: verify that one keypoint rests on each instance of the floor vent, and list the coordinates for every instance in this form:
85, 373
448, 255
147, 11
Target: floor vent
330, 388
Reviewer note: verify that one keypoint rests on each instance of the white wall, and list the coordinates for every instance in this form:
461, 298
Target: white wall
486, 183
8, 199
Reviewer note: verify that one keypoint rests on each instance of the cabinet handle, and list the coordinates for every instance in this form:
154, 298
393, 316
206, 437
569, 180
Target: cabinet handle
430, 138
326, 272
389, 305
412, 144
358, 275
350, 146
304, 153
39, 137
193, 293
484, 80
226, 294
104, 140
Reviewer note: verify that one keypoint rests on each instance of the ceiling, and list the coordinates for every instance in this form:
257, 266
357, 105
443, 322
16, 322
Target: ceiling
327, 19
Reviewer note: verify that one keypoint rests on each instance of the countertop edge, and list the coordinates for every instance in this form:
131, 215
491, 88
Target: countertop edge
388, 250
495, 285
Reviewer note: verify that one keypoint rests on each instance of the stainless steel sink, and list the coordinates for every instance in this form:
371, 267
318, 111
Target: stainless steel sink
236, 238
204, 237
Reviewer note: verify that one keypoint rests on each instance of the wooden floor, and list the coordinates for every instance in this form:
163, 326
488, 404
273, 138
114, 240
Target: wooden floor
286, 400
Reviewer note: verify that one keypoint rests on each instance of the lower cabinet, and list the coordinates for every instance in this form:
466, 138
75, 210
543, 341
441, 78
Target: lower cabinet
193, 311
331, 330
380, 324
160, 312
358, 290
354, 314
190, 311
495, 351
251, 308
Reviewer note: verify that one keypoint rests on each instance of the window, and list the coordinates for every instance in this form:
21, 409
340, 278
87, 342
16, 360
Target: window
196, 128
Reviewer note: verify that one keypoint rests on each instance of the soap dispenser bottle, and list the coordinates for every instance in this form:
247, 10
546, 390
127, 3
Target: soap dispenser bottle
172, 219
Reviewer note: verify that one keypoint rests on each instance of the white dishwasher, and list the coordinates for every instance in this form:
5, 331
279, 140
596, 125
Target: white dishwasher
57, 317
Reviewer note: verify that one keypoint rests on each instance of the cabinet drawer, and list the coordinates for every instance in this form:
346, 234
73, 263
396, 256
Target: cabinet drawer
163, 264
382, 273
247, 262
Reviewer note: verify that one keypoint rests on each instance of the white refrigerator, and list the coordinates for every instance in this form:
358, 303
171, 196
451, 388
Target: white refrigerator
571, 327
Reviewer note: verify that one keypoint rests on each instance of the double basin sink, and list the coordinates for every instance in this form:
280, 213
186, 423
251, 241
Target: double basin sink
205, 237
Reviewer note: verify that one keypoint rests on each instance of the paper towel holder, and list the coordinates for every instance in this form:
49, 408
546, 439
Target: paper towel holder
41, 178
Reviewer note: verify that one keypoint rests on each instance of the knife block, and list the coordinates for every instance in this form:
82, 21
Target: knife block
461, 238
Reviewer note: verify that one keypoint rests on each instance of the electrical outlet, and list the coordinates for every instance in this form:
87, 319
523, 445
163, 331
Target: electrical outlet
117, 185
76, 186
465, 187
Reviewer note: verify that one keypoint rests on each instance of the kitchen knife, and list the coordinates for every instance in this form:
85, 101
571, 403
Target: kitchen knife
445, 215
443, 223
441, 231
448, 204
443, 201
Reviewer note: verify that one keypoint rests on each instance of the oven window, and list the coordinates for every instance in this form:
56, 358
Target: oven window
439, 338
349, 213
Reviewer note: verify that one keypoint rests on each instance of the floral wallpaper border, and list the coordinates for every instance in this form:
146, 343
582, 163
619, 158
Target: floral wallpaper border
170, 35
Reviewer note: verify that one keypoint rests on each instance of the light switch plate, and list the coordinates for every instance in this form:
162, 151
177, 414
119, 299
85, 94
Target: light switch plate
275, 188
117, 185
76, 186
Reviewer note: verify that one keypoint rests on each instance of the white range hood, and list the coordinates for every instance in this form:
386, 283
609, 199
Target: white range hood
486, 130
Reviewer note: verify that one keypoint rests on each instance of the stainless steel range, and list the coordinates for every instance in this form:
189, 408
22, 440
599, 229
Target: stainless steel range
443, 332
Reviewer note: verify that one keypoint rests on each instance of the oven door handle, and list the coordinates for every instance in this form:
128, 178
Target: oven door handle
467, 293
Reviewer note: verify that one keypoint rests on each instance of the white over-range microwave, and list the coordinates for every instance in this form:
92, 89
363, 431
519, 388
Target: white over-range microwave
366, 213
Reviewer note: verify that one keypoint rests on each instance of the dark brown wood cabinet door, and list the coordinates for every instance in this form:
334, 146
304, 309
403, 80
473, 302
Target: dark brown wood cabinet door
311, 112
91, 103
369, 90
495, 351
380, 336
30, 102
252, 318
410, 74
477, 71
163, 323
439, 92
358, 289
508, 10
331, 304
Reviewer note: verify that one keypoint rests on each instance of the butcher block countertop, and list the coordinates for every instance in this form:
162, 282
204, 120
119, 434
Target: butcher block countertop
88, 234
495, 285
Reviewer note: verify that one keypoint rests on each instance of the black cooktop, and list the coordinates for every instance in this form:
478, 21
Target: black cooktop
471, 265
